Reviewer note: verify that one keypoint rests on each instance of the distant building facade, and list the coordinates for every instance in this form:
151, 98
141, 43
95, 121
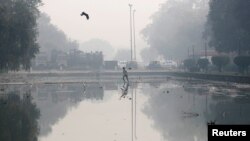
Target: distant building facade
72, 60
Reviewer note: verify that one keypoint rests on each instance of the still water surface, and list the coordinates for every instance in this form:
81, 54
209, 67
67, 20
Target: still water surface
174, 110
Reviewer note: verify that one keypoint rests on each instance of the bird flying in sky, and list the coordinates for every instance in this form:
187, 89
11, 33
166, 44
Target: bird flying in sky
85, 14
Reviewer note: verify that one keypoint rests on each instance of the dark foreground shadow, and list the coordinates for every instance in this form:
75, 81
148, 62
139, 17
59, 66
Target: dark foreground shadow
18, 118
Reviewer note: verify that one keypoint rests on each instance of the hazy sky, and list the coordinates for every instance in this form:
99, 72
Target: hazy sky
109, 19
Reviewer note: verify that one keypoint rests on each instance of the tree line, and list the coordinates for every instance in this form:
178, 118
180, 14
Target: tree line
227, 30
18, 32
223, 25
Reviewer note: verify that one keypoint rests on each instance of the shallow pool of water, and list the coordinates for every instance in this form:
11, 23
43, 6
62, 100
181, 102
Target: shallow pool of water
173, 110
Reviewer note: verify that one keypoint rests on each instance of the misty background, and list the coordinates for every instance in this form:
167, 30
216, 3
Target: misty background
176, 27
109, 20
167, 33
164, 28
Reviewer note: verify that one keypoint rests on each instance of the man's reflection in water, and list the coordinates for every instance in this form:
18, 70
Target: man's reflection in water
18, 118
124, 90
133, 108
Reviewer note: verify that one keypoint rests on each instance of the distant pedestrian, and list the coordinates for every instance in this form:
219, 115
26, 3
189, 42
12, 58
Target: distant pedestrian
125, 75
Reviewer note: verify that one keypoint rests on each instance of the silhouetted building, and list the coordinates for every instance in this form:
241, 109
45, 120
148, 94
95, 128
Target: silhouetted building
111, 65
73, 60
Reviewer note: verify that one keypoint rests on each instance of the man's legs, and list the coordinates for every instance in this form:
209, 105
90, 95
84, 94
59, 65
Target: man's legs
123, 77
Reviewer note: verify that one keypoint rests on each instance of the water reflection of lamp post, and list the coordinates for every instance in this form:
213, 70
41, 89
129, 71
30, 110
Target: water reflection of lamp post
193, 52
135, 113
131, 44
206, 102
132, 115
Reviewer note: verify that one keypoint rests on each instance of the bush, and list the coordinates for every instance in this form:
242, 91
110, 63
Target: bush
220, 61
203, 63
242, 62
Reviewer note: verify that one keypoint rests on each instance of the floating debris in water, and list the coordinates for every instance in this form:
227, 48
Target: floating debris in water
165, 91
190, 114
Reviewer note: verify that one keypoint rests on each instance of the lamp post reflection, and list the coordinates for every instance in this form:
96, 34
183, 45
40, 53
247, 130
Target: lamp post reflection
133, 108
133, 113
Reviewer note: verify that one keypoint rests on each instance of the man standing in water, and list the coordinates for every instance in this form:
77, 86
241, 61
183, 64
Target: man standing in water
125, 75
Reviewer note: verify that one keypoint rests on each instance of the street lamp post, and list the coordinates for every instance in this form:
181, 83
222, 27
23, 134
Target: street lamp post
134, 35
193, 52
206, 49
131, 44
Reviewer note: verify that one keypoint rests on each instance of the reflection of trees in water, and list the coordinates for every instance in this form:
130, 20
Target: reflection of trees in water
230, 105
94, 92
167, 111
18, 118
230, 110
220, 105
73, 92
55, 101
